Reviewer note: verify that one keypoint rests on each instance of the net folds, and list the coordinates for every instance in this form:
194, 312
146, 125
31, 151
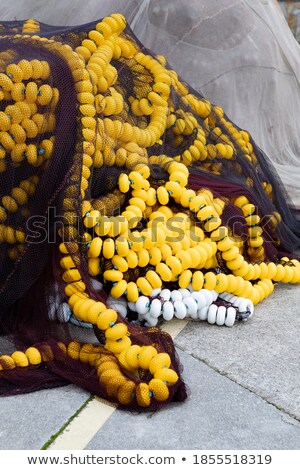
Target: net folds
126, 197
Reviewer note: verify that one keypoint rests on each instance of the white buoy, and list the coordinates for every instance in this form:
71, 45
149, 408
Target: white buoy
155, 293
180, 309
155, 308
200, 299
226, 296
215, 294
168, 311
176, 295
209, 297
230, 317
54, 304
191, 306
165, 294
221, 315
132, 306
212, 314
202, 313
184, 292
150, 321
63, 312
142, 305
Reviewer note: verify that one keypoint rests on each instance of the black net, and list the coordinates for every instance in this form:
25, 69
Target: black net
119, 181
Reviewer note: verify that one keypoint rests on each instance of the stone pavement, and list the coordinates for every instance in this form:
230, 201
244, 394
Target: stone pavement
243, 394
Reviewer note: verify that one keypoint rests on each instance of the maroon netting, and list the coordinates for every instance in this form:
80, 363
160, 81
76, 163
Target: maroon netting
31, 283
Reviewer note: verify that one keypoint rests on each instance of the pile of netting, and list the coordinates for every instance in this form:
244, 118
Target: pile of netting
236, 72
126, 198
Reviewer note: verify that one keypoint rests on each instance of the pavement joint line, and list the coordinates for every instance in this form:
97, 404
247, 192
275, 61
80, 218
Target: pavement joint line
225, 374
93, 414
54, 436
84, 426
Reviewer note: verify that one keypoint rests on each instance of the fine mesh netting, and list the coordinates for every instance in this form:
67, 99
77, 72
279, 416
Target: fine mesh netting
125, 196
240, 54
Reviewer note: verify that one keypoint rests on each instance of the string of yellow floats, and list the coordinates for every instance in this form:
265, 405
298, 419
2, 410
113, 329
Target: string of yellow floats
116, 139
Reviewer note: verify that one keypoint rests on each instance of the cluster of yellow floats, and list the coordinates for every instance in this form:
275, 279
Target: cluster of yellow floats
117, 130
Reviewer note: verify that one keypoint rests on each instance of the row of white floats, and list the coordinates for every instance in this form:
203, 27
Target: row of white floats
182, 303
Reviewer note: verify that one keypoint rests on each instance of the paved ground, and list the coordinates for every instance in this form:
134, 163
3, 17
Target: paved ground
243, 394
244, 382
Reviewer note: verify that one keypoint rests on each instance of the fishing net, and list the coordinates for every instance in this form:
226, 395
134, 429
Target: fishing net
249, 62
239, 54
126, 196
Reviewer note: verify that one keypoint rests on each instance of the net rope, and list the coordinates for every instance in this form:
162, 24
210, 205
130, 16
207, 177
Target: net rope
125, 195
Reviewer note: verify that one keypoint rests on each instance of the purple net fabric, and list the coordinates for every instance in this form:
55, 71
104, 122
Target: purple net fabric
31, 276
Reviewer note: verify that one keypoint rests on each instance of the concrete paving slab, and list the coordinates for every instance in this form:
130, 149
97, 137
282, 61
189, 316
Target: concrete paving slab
28, 421
262, 354
219, 414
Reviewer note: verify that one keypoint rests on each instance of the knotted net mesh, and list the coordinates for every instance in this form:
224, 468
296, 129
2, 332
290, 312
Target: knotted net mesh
118, 179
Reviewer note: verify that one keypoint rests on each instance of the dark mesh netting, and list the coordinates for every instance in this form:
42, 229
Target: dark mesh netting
126, 198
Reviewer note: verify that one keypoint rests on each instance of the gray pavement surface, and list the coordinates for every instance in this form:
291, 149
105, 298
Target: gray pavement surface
262, 354
28, 421
218, 414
